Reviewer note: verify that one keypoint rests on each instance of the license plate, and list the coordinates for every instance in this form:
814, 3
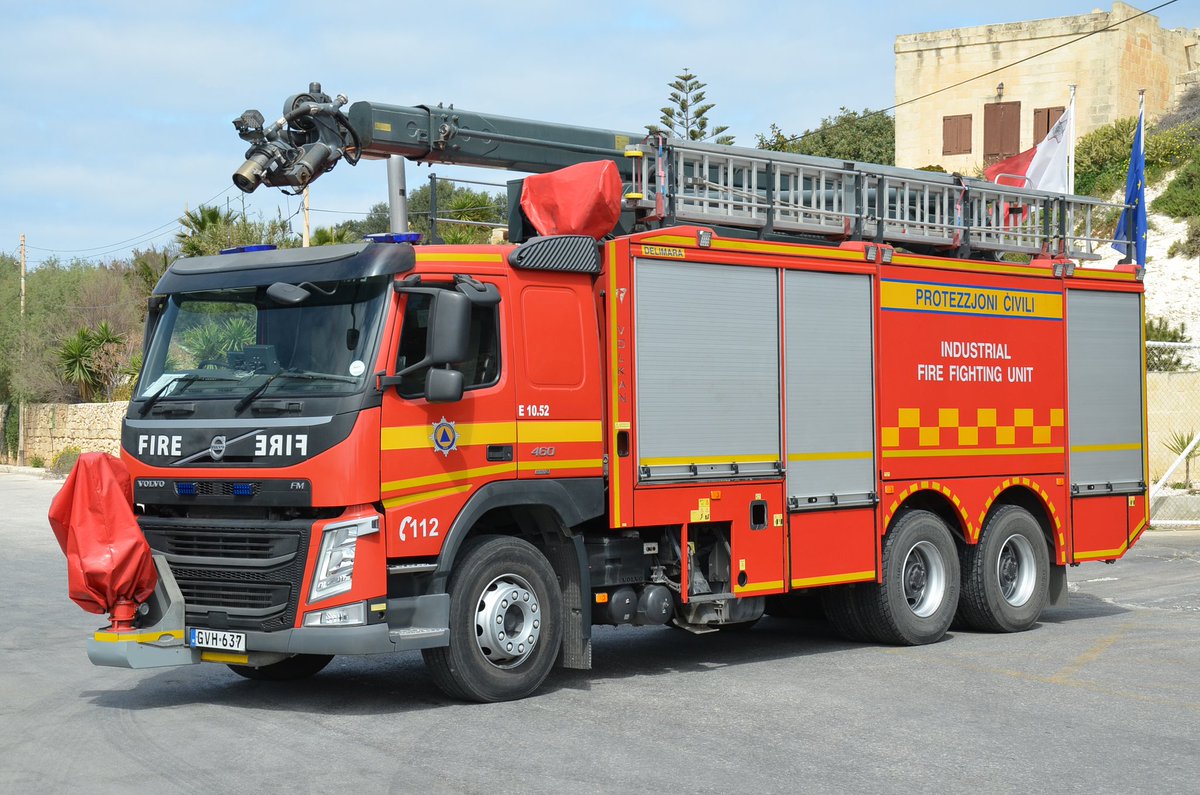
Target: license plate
213, 639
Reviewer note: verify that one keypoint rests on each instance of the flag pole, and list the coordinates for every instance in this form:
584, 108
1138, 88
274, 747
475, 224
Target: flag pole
1071, 148
1139, 136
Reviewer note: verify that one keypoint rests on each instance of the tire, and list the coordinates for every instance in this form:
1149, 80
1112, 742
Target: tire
841, 605
918, 597
300, 666
1006, 576
797, 604
501, 586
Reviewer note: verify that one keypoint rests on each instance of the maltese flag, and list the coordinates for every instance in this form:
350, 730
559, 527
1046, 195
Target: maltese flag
1045, 166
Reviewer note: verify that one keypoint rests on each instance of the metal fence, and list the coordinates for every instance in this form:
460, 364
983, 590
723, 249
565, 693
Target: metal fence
1173, 416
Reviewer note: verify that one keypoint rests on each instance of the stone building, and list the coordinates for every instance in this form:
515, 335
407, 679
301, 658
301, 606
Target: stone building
993, 117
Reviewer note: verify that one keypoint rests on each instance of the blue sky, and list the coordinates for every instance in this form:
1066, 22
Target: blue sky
118, 114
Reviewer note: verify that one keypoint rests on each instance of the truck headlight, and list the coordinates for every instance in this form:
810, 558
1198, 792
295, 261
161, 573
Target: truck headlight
335, 562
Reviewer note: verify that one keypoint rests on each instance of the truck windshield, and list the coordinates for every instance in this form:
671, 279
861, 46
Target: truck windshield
229, 343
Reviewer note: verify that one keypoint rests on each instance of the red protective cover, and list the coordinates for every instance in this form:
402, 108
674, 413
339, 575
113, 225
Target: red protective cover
584, 199
108, 559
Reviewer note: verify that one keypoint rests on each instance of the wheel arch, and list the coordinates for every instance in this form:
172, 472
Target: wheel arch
1038, 506
544, 513
938, 500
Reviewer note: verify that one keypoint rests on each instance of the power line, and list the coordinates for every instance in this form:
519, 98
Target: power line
1118, 23
150, 235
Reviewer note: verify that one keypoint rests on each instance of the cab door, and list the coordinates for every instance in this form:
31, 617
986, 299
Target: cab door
557, 376
434, 456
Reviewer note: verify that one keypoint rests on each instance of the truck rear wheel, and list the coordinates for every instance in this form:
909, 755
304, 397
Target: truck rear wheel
505, 623
1006, 576
918, 597
300, 666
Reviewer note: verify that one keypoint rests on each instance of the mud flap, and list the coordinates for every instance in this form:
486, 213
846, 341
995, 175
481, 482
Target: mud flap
1057, 587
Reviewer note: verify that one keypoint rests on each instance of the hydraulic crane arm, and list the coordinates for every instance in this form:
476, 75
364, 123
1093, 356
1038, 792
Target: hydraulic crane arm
426, 134
313, 135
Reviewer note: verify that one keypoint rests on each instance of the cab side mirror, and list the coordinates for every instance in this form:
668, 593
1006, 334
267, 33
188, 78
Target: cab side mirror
449, 328
443, 386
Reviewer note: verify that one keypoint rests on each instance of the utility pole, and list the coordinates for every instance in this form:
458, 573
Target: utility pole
304, 241
20, 397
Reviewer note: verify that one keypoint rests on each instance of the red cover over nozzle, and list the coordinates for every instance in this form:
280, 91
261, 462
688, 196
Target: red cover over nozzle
584, 199
109, 565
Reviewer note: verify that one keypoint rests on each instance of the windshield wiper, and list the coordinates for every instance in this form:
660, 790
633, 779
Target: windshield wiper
182, 382
258, 390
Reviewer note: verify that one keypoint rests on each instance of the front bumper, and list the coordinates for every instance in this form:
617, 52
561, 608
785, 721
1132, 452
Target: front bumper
417, 622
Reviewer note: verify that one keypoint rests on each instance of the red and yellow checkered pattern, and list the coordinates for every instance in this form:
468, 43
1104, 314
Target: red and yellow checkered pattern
980, 427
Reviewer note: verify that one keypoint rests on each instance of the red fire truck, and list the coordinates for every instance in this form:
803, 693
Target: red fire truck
701, 383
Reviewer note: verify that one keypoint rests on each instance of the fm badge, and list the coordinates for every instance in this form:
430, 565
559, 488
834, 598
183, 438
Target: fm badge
445, 437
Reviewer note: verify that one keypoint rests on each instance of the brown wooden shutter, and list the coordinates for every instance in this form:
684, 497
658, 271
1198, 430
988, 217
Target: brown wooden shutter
1001, 130
956, 135
1043, 120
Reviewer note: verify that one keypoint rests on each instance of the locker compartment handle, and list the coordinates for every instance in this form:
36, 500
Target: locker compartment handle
623, 444
758, 515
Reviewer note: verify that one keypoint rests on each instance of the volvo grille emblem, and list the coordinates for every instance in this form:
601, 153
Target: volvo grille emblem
216, 448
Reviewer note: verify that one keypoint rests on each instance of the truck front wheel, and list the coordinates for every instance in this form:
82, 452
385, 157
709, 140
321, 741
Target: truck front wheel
505, 622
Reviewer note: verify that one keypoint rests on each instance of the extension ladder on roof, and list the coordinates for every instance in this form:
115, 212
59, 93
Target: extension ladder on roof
774, 193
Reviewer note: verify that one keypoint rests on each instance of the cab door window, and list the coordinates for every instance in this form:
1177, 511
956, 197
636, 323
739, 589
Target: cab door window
480, 369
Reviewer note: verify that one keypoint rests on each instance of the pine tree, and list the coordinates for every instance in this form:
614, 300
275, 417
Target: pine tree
687, 114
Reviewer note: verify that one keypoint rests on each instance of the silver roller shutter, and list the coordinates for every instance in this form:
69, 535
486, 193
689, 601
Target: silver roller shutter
1105, 363
830, 388
707, 371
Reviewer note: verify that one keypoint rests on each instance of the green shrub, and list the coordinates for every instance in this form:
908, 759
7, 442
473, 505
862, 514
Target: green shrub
1190, 245
1102, 156
65, 460
1181, 199
1164, 360
36, 461
1176, 443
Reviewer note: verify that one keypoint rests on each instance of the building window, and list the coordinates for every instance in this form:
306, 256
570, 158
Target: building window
1001, 130
1043, 120
956, 135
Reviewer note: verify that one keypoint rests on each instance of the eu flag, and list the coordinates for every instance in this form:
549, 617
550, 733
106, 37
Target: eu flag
1133, 217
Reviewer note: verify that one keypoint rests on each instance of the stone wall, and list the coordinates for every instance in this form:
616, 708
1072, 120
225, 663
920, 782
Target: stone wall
52, 427
1107, 68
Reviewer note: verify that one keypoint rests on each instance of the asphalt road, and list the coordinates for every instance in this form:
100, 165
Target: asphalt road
1102, 696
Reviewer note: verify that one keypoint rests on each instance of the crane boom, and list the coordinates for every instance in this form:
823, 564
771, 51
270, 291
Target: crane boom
436, 134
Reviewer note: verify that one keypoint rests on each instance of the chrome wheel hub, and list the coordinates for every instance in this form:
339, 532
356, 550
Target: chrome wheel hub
924, 578
508, 621
1016, 570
